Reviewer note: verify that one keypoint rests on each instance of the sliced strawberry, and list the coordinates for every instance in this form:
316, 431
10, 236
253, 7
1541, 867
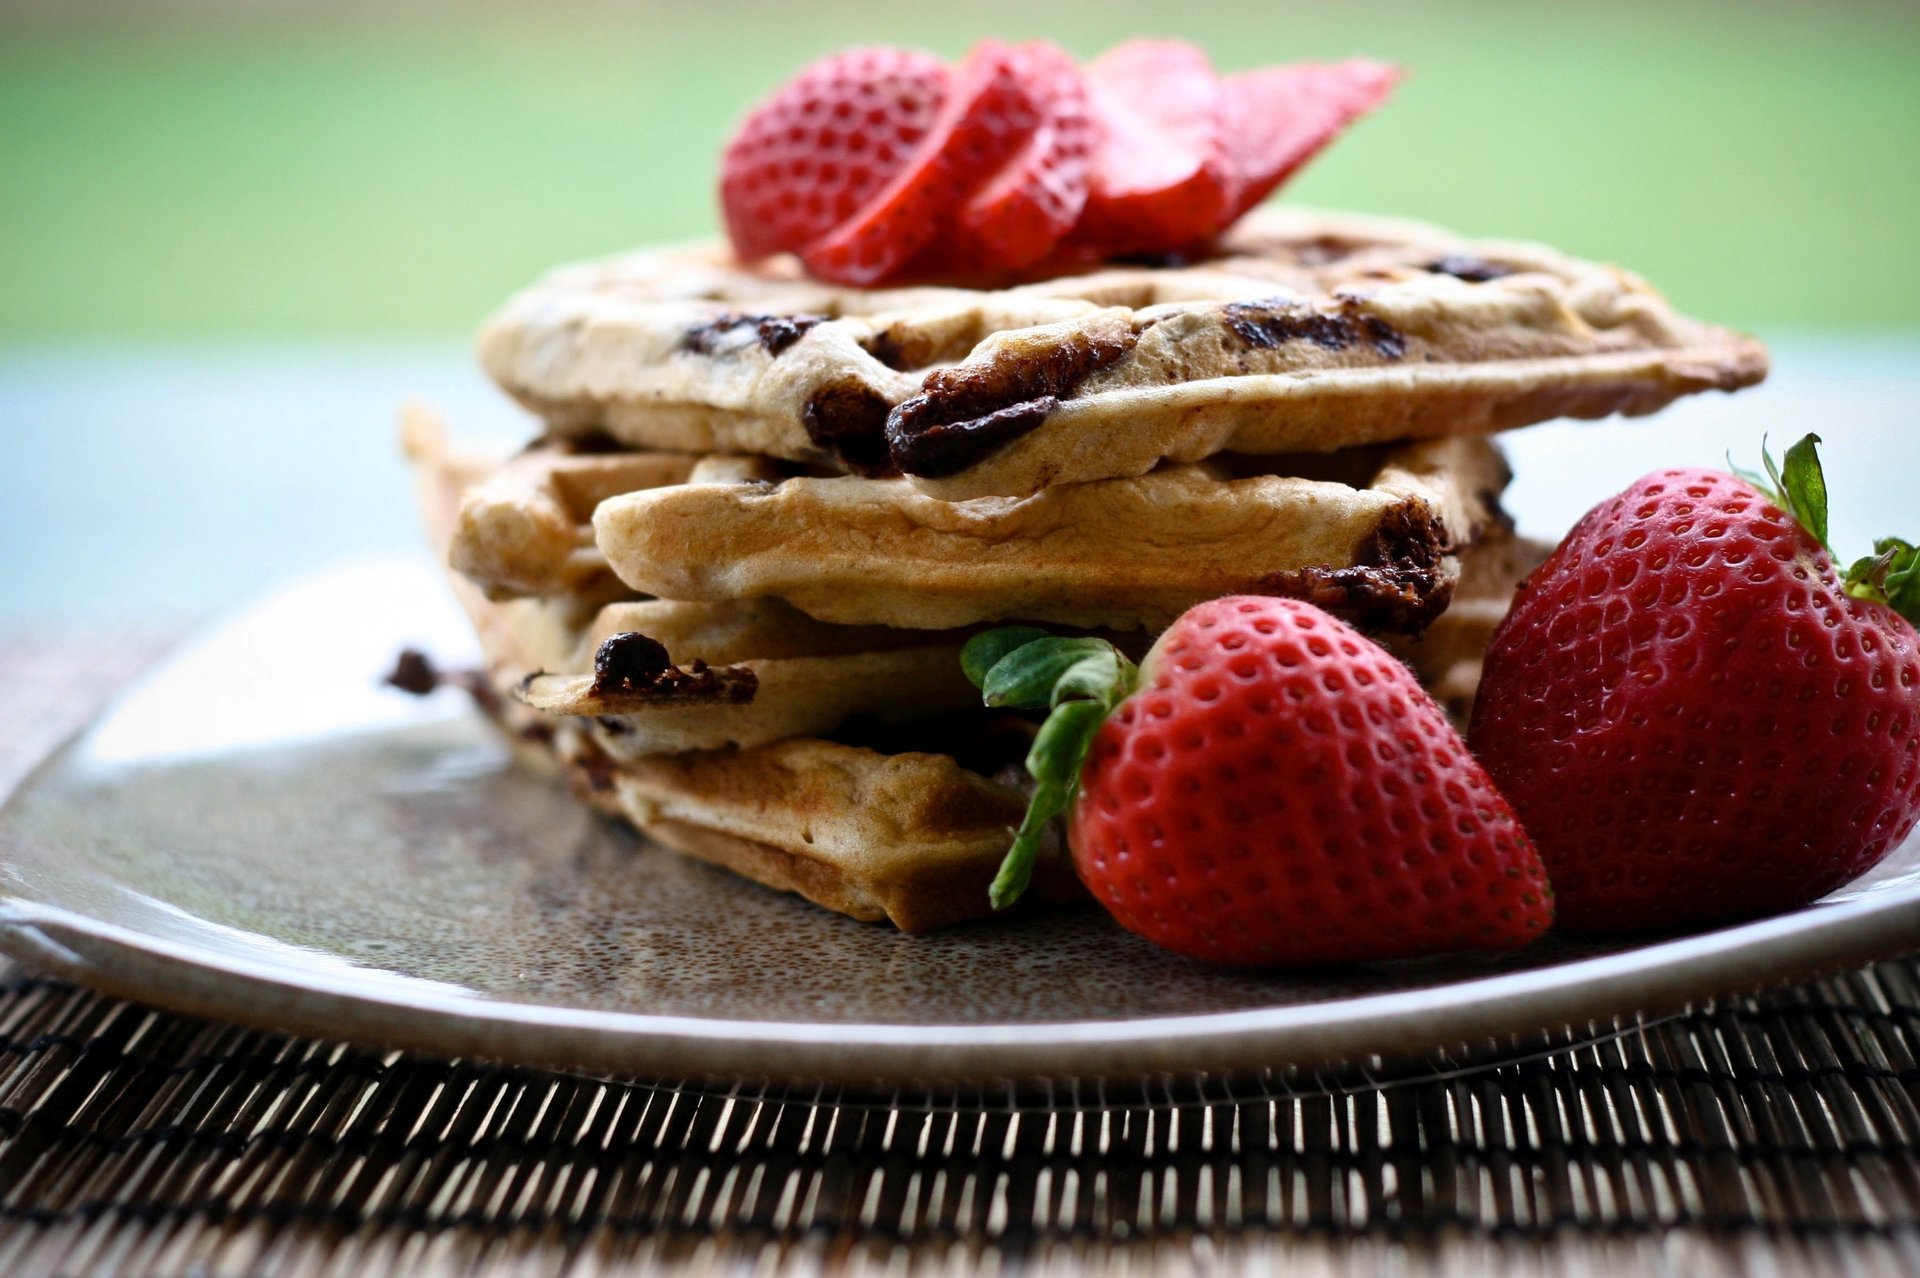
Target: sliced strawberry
1028, 207
1277, 118
987, 117
808, 157
1160, 172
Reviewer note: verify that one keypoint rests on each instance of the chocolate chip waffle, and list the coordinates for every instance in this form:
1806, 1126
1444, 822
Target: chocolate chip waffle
680, 675
1369, 534
1304, 332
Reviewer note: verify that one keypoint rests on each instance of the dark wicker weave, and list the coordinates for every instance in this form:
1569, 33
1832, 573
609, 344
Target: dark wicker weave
1773, 1135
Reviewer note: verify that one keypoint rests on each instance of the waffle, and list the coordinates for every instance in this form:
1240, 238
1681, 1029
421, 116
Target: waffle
909, 833
743, 673
1370, 535
899, 821
1305, 333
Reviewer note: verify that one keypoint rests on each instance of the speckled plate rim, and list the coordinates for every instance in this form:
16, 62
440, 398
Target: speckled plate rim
1469, 1019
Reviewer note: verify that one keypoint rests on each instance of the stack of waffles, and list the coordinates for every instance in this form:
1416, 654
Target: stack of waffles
727, 587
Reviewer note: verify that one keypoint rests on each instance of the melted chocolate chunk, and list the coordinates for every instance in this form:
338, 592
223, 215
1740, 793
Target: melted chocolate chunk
413, 672
627, 662
1384, 337
939, 451
775, 333
1269, 324
1395, 583
849, 421
965, 414
1474, 270
631, 664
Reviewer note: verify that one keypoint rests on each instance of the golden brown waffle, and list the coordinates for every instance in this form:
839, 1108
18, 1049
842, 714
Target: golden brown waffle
1370, 536
765, 671
907, 835
1307, 332
525, 527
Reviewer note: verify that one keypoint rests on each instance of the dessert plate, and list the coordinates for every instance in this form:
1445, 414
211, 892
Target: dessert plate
261, 832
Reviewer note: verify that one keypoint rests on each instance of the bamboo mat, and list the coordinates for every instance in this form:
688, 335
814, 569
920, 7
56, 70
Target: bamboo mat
1778, 1135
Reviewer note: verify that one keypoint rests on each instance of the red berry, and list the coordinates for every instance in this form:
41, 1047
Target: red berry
808, 157
988, 115
1278, 118
1027, 208
1161, 177
1692, 718
1281, 790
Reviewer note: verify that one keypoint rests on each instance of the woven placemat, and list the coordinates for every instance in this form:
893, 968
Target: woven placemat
1776, 1135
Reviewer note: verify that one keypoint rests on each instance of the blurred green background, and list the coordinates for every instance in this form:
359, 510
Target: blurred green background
215, 171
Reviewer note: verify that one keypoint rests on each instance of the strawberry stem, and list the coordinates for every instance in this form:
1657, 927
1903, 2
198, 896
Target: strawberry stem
1079, 682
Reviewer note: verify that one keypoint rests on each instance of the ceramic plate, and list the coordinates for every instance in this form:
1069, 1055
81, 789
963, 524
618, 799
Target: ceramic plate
261, 832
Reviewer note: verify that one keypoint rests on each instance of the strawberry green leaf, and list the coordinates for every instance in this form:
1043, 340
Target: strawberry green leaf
1091, 677
1890, 576
1797, 485
1804, 484
984, 650
1081, 681
1027, 676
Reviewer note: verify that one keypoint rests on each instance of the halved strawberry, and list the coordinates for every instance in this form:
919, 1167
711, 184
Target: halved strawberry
1277, 118
1160, 173
987, 117
804, 160
1028, 207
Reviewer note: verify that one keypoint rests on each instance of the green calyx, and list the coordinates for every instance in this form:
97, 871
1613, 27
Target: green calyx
1078, 682
1889, 576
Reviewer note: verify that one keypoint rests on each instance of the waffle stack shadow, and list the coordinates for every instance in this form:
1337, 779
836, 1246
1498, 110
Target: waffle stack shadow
726, 590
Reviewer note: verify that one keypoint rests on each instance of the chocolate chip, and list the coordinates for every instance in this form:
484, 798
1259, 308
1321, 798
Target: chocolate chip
1269, 324
1395, 583
413, 672
949, 448
849, 421
628, 662
775, 333
1384, 337
1474, 270
966, 413
633, 665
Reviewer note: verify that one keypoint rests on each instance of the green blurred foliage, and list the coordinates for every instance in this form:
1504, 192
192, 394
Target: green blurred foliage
237, 171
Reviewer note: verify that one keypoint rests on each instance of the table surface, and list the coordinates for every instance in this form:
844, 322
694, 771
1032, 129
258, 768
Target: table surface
1773, 1134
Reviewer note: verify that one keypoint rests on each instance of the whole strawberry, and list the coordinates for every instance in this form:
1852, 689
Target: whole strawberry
1269, 787
1696, 718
